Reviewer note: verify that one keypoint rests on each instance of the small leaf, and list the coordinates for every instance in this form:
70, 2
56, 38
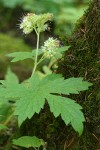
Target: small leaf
59, 51
23, 55
20, 56
62, 49
28, 141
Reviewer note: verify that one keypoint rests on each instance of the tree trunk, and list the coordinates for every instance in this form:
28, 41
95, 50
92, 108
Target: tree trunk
83, 60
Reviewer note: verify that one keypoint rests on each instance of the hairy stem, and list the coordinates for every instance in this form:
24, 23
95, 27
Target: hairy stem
36, 56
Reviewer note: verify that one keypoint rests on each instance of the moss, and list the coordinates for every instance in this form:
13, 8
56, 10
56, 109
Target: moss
8, 45
83, 59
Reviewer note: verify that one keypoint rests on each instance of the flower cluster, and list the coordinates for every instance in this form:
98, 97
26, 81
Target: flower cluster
35, 22
50, 47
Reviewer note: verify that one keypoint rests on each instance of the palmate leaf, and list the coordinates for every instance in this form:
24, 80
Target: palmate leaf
18, 56
28, 141
34, 92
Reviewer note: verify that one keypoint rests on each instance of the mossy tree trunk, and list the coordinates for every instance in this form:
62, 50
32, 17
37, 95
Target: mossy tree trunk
83, 59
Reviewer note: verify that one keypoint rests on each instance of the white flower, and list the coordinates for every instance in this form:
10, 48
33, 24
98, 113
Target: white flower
50, 47
35, 22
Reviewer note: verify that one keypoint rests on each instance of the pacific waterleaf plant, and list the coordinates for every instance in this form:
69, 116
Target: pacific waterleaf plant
31, 95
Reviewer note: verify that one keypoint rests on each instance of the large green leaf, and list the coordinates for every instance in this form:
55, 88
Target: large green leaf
31, 96
28, 141
34, 93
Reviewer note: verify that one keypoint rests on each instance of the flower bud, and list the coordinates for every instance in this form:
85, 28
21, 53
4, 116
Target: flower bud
50, 47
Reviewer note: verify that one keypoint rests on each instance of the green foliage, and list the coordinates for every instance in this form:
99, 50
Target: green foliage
31, 94
69, 111
23, 55
20, 56
12, 84
28, 141
60, 51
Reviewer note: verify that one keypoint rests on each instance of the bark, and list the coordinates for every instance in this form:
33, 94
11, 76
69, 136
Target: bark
83, 59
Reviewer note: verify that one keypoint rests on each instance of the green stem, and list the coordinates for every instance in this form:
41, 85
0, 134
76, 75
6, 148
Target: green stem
52, 63
36, 56
42, 58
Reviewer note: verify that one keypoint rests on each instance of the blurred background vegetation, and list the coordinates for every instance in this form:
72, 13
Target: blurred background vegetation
66, 14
